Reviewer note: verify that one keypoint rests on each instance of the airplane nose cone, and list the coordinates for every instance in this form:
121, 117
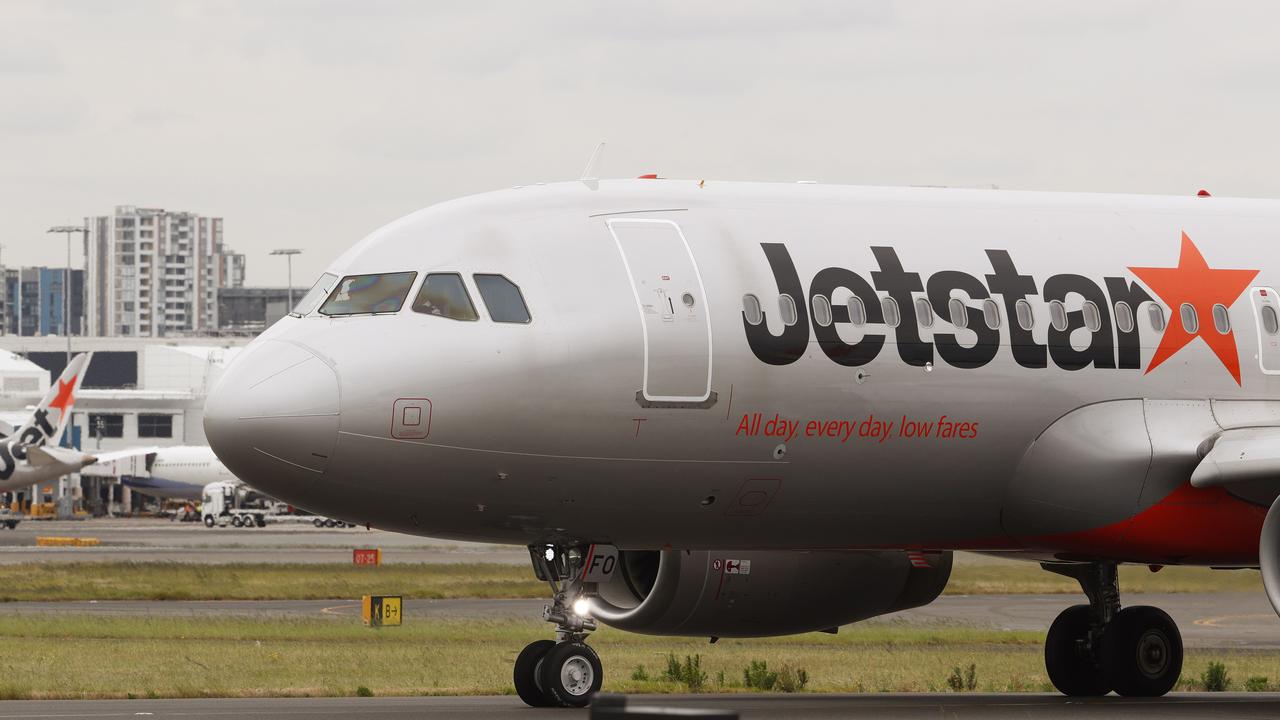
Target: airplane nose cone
273, 416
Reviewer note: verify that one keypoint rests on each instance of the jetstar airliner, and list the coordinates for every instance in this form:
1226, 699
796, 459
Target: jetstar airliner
30, 455
728, 409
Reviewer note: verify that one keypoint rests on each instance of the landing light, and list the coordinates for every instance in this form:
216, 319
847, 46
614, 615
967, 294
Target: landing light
582, 607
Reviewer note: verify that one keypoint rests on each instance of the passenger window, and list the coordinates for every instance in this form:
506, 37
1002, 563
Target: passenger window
444, 295
1092, 316
959, 313
857, 311
1026, 315
1270, 322
821, 310
889, 308
991, 313
1058, 315
1124, 317
924, 313
1190, 322
787, 309
364, 294
503, 299
1156, 315
314, 295
751, 309
1221, 319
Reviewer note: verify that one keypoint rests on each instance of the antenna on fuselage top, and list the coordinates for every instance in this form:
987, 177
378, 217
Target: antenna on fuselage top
591, 173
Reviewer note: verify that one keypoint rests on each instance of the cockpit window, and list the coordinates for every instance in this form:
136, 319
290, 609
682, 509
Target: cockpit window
314, 295
359, 294
443, 294
503, 298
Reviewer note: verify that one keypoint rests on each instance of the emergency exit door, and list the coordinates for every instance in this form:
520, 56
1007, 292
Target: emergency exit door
1266, 311
674, 318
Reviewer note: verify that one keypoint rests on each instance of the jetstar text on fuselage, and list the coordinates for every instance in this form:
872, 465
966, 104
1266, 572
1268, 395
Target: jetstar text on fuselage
14, 450
1109, 346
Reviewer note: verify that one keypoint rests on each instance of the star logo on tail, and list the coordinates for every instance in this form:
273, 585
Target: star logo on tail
1194, 282
65, 397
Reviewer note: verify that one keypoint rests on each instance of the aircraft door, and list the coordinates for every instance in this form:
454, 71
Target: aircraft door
1266, 312
674, 318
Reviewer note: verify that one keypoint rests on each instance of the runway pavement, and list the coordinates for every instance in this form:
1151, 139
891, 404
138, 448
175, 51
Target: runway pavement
1218, 621
1220, 706
146, 540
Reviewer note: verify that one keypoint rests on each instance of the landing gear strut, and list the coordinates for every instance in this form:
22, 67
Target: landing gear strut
564, 672
1096, 648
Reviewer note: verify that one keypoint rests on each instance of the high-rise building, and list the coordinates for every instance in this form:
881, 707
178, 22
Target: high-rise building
155, 273
34, 298
8, 297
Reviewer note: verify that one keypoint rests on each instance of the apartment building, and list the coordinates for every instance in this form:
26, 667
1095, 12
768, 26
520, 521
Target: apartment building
156, 273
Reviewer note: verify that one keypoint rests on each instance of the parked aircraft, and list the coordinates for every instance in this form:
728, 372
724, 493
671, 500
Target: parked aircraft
730, 409
30, 455
179, 472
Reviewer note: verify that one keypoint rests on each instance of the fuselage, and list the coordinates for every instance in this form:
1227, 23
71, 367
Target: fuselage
181, 473
648, 404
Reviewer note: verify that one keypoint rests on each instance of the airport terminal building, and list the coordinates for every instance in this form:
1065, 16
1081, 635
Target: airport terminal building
137, 392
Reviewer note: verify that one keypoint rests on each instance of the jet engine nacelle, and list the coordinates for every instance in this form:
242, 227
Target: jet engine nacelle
757, 594
1269, 555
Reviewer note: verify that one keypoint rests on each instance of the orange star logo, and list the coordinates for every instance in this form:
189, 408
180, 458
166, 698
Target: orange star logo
1194, 282
64, 398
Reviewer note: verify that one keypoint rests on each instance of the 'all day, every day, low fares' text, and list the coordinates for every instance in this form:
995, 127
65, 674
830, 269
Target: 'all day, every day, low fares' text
870, 428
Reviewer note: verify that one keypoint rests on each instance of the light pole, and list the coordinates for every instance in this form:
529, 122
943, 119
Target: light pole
288, 254
66, 281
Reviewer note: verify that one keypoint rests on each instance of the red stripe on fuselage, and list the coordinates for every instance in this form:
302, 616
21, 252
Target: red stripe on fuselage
1190, 526
1200, 526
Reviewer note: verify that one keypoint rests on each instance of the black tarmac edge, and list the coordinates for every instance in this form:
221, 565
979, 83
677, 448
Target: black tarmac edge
791, 707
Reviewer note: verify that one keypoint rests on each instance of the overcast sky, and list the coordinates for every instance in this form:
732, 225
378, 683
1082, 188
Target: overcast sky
309, 124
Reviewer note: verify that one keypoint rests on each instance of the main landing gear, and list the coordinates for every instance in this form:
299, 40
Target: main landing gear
1096, 648
565, 672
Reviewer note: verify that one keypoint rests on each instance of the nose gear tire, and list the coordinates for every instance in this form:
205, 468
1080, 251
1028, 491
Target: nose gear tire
571, 674
1142, 652
526, 674
1071, 670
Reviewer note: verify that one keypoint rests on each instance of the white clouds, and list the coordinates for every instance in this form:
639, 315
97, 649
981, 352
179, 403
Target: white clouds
310, 123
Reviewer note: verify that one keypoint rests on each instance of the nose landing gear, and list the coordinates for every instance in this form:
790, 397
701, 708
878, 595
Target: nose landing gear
564, 672
1096, 648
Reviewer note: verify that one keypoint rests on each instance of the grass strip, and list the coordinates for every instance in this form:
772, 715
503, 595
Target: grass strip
78, 656
261, 581
302, 581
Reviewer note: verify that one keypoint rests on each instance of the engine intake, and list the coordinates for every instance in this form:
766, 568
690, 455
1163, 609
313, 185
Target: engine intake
758, 594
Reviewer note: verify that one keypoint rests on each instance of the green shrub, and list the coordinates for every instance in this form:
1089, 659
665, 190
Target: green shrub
363, 691
1215, 678
757, 675
640, 674
1257, 683
792, 679
690, 672
961, 681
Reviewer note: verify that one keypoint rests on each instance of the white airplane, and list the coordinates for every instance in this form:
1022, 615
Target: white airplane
180, 472
743, 409
30, 455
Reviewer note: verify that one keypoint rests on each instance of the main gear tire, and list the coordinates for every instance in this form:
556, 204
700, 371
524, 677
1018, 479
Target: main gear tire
1070, 668
1141, 652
